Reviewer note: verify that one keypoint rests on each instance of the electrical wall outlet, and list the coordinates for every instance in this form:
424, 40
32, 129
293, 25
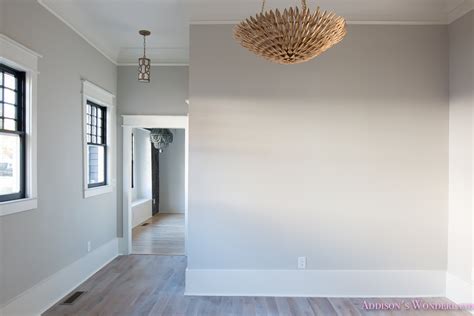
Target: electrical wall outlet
301, 262
89, 246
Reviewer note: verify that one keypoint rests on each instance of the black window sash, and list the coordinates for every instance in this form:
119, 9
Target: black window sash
103, 143
20, 127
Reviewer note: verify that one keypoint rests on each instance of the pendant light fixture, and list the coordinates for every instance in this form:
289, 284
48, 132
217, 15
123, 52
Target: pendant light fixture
144, 64
161, 138
294, 36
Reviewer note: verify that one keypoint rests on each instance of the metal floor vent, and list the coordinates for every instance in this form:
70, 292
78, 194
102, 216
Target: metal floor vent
145, 224
72, 298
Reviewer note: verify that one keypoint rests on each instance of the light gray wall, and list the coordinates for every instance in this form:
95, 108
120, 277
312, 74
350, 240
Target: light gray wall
343, 159
38, 243
166, 94
1, 15
172, 175
461, 89
142, 189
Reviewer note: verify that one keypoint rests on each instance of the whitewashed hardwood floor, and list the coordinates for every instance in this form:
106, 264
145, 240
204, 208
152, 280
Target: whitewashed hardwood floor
164, 235
154, 285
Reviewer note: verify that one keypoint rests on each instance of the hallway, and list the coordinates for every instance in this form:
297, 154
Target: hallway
163, 234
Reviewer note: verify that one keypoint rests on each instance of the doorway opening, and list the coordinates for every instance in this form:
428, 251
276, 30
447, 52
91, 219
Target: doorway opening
155, 185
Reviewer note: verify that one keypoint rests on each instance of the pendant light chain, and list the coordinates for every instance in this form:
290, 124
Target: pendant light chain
144, 46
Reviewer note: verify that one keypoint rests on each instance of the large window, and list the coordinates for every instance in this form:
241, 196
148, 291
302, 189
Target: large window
12, 134
96, 144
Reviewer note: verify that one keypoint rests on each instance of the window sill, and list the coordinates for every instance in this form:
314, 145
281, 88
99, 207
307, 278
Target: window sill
17, 206
98, 191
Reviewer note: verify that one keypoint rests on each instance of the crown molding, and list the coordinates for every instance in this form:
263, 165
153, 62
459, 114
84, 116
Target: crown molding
462, 9
234, 22
44, 5
5, 39
163, 64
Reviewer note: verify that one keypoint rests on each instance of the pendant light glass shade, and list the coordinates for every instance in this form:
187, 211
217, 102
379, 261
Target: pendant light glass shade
144, 64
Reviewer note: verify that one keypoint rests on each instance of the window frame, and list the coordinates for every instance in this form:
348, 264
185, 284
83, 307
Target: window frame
23, 59
102, 98
132, 180
102, 144
21, 127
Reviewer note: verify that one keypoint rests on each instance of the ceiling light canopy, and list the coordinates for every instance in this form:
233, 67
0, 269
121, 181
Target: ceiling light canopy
144, 64
294, 36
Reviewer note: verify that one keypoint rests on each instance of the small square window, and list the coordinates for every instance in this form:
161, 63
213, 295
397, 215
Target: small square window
10, 81
9, 96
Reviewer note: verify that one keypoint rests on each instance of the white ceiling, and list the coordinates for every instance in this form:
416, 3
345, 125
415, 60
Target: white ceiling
112, 26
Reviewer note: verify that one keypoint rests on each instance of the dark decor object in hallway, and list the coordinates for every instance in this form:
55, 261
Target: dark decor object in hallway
155, 179
161, 138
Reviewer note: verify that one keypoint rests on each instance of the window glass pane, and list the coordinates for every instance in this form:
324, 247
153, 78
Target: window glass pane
10, 96
10, 164
10, 81
94, 111
96, 159
1, 78
88, 109
9, 125
10, 111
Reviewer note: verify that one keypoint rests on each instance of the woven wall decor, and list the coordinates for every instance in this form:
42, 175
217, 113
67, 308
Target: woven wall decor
294, 36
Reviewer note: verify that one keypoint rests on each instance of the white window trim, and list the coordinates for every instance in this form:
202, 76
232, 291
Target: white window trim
94, 93
19, 57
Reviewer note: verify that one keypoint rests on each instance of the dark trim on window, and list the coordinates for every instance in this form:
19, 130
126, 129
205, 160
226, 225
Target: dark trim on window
133, 161
20, 120
97, 135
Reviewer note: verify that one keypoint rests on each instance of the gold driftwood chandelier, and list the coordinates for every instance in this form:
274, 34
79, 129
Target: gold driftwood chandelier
294, 36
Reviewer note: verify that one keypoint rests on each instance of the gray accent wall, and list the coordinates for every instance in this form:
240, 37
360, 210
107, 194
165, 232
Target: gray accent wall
343, 159
172, 175
166, 94
461, 171
38, 243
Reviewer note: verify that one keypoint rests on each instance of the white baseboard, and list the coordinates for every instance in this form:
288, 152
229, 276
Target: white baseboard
48, 292
141, 211
316, 283
458, 290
